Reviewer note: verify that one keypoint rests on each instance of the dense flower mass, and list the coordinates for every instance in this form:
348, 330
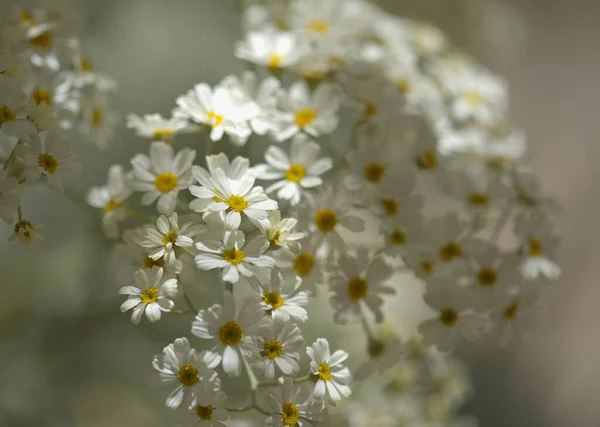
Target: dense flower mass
359, 109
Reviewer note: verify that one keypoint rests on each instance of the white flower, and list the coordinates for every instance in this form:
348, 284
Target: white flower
232, 256
261, 99
98, 120
271, 48
403, 236
83, 75
301, 111
295, 173
293, 408
168, 235
328, 215
453, 320
182, 365
277, 348
111, 199
162, 175
218, 192
234, 331
10, 196
27, 233
304, 263
280, 296
359, 281
332, 377
538, 246
209, 411
396, 199
371, 99
443, 234
514, 314
48, 154
151, 294
276, 233
158, 128
220, 109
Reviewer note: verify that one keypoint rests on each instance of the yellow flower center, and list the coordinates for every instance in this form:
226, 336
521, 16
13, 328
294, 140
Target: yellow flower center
216, 119
42, 95
357, 288
474, 98
326, 220
535, 247
427, 267
42, 41
403, 85
274, 241
204, 412
273, 299
303, 264
230, 333
111, 206
397, 237
511, 311
162, 134
448, 317
149, 296
97, 117
48, 162
85, 65
290, 414
233, 256
370, 109
319, 26
374, 172
237, 203
272, 349
275, 60
188, 375
487, 277
295, 173
165, 182
479, 199
390, 206
170, 237
427, 160
149, 262
449, 251
324, 372
26, 19
305, 116
6, 115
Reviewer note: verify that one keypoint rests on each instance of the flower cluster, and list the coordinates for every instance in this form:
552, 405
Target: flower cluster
47, 88
419, 114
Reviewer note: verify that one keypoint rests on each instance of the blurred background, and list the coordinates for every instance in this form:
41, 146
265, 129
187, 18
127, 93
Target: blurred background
68, 357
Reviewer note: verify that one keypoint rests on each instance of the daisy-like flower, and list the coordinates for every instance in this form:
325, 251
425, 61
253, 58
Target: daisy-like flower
328, 215
359, 280
10, 196
403, 236
27, 233
453, 320
182, 365
280, 297
538, 246
303, 262
261, 99
271, 48
14, 112
312, 113
168, 235
157, 128
514, 314
276, 233
222, 110
443, 234
218, 192
371, 99
293, 407
48, 154
111, 199
162, 176
151, 294
83, 74
479, 192
237, 261
277, 348
209, 411
332, 378
98, 121
234, 330
396, 200
295, 173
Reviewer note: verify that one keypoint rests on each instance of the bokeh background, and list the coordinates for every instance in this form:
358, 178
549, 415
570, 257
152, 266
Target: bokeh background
69, 358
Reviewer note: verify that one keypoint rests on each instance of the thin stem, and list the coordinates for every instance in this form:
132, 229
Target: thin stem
208, 144
181, 312
249, 408
19, 213
11, 156
366, 326
188, 301
501, 224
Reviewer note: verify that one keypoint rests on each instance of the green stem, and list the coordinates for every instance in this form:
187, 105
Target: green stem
365, 325
19, 213
11, 156
188, 301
